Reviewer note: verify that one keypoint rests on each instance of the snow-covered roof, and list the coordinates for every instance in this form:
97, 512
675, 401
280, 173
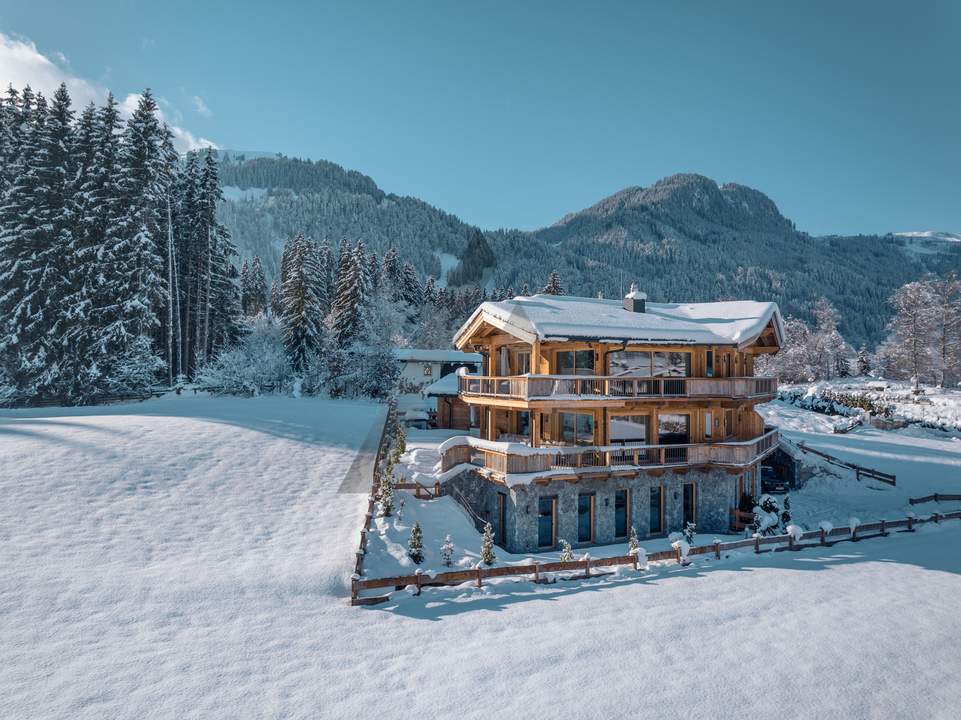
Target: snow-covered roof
423, 355
561, 317
447, 385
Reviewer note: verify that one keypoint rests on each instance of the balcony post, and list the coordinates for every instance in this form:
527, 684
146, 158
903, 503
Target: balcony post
535, 428
536, 358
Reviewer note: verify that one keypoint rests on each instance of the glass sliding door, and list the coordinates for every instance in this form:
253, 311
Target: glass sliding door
577, 428
624, 362
674, 429
575, 362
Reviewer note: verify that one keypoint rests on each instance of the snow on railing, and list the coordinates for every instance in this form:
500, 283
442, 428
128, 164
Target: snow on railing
559, 387
514, 457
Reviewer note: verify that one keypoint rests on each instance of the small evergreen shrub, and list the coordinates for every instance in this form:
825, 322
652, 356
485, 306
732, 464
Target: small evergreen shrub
415, 545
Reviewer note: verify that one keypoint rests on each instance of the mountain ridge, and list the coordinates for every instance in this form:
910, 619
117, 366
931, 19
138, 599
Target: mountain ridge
683, 238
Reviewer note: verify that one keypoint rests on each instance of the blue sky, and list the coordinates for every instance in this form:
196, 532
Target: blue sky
512, 114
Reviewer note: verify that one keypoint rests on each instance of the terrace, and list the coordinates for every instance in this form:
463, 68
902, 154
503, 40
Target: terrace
509, 458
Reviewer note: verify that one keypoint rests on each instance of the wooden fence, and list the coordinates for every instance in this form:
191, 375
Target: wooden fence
584, 567
859, 470
937, 497
369, 515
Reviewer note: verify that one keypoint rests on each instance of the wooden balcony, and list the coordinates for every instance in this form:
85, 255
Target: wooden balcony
596, 387
514, 458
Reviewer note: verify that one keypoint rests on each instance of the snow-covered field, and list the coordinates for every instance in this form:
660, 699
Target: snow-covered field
188, 557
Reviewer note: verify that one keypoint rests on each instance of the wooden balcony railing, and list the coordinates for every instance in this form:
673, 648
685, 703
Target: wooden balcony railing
564, 387
510, 458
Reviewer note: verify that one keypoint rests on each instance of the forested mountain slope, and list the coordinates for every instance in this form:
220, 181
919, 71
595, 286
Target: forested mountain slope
683, 238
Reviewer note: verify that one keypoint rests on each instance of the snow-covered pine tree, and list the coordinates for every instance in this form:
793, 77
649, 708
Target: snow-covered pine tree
245, 287
786, 512
447, 552
863, 362
429, 294
553, 286
36, 234
257, 290
567, 552
487, 546
136, 243
349, 300
276, 297
526, 290
325, 262
386, 493
391, 273
302, 312
415, 544
689, 531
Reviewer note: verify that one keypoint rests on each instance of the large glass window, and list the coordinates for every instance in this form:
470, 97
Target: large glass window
636, 364
577, 428
575, 362
524, 423
657, 510
672, 364
709, 367
621, 521
522, 363
708, 425
629, 429
673, 429
690, 503
585, 517
545, 522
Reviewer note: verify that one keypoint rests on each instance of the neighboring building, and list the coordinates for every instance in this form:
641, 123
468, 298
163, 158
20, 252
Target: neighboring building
596, 416
452, 412
420, 367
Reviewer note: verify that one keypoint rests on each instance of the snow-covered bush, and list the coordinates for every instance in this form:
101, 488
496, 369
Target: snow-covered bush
487, 546
447, 552
632, 541
826, 526
415, 544
767, 516
641, 554
689, 531
854, 523
679, 542
786, 512
386, 494
795, 531
254, 365
567, 552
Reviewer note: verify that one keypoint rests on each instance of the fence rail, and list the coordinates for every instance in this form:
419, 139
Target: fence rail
937, 497
547, 387
859, 470
480, 573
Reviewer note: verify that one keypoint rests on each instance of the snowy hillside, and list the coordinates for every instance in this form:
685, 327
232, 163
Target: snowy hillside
188, 558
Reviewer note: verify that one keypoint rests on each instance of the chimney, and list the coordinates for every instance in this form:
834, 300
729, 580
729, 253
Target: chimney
635, 300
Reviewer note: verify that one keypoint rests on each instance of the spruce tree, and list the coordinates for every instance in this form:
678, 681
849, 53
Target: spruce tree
245, 287
487, 546
348, 303
257, 288
447, 552
632, 543
302, 317
386, 493
567, 552
553, 286
415, 544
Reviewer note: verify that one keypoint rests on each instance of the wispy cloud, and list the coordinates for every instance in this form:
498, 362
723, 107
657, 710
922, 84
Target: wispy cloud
22, 64
201, 107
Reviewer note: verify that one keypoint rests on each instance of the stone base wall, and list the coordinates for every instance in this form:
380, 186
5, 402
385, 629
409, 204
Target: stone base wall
716, 494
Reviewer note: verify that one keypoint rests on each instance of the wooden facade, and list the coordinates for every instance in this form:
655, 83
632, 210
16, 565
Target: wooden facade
575, 393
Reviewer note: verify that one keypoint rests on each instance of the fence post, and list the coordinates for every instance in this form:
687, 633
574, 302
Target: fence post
790, 542
634, 560
936, 498
882, 527
717, 549
937, 517
854, 534
436, 489
677, 554
587, 567
823, 534
479, 576
757, 544
537, 572
910, 524
857, 474
418, 575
